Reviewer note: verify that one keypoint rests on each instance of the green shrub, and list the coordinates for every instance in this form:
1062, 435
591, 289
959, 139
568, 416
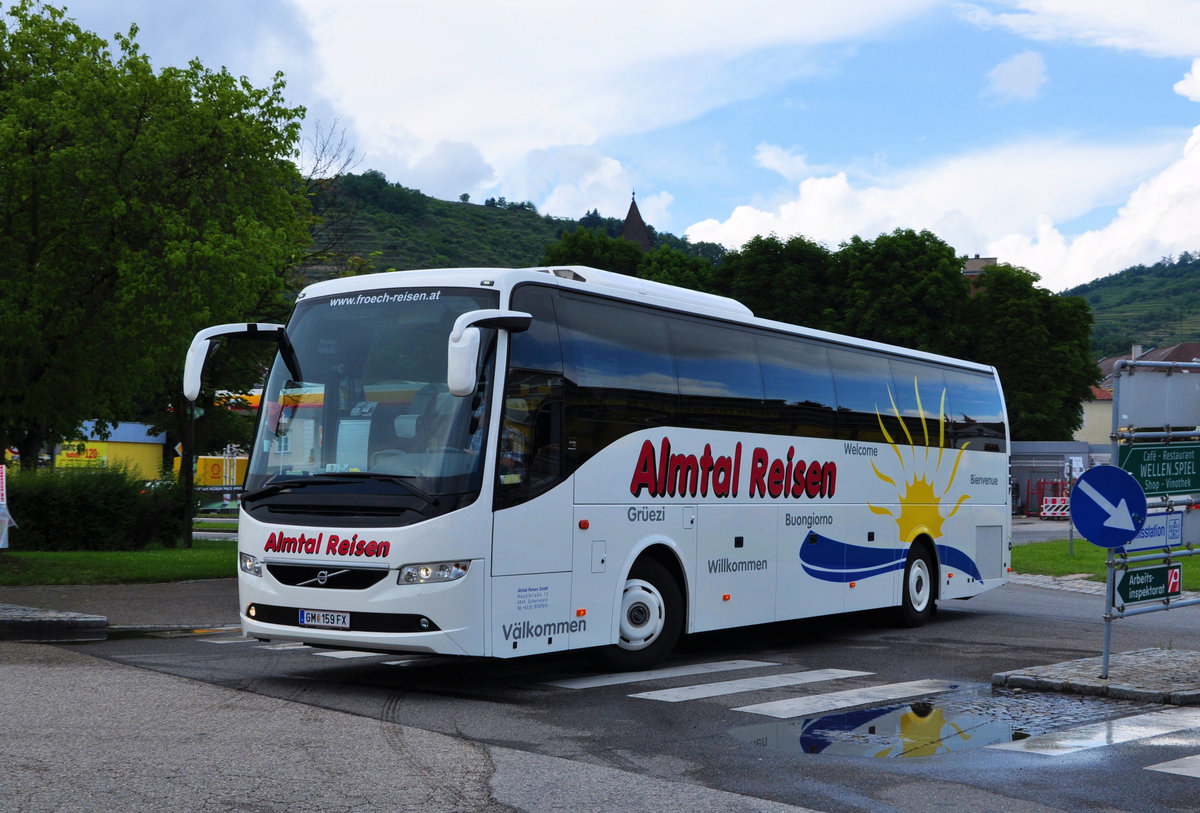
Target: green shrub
92, 509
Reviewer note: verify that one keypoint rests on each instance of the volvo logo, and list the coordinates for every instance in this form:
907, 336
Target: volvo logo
322, 577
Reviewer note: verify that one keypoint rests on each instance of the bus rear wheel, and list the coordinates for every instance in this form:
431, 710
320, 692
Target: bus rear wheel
651, 619
917, 602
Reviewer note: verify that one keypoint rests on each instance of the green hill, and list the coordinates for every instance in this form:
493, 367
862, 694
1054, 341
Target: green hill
1149, 305
371, 224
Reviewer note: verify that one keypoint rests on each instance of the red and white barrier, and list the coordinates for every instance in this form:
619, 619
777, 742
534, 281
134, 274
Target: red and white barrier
1056, 508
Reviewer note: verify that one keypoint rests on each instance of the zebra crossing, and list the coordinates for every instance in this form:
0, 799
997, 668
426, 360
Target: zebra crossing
708, 684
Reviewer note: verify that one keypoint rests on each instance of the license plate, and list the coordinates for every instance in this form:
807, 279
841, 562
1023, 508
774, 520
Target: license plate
325, 618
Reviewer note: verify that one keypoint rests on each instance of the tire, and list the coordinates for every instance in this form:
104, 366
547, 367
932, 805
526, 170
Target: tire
651, 620
917, 599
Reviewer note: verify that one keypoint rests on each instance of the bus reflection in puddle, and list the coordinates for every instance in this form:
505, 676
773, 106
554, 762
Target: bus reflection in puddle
917, 729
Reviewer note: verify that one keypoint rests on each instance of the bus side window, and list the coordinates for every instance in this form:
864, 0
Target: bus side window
975, 413
529, 452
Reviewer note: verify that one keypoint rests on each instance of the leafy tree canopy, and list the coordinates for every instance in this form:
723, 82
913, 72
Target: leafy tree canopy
1041, 345
586, 247
904, 288
135, 208
787, 281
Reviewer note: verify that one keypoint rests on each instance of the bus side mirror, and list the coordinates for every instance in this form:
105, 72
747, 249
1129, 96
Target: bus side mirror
202, 345
462, 353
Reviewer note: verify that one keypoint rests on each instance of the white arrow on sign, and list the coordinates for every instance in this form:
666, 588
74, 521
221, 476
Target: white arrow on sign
1118, 515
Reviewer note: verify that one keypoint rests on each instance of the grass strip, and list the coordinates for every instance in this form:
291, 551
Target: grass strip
206, 559
1056, 559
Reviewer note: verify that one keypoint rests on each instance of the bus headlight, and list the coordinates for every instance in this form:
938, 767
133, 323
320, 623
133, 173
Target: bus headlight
429, 572
249, 564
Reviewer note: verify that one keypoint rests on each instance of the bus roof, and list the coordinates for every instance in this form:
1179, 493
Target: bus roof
623, 286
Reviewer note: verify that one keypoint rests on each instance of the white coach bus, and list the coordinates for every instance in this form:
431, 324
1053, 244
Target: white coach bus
501, 462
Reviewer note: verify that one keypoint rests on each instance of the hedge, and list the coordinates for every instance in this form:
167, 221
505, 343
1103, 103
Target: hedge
92, 509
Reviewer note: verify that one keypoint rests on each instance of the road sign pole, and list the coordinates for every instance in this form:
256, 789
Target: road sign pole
1109, 507
1110, 595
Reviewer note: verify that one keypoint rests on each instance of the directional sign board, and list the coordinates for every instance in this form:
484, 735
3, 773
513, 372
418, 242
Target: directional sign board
1163, 468
1150, 583
1160, 531
1108, 506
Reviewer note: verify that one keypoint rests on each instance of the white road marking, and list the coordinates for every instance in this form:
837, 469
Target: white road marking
346, 654
1113, 732
811, 705
1188, 766
592, 681
724, 687
241, 639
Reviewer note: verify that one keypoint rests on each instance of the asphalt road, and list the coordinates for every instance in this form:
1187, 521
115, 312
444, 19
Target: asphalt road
214, 721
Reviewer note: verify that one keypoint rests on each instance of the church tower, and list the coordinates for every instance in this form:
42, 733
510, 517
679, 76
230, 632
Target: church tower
634, 227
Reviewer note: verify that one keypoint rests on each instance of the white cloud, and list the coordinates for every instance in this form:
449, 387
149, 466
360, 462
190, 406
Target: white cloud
1161, 217
787, 162
1189, 85
512, 79
448, 170
980, 201
580, 179
1018, 78
1155, 27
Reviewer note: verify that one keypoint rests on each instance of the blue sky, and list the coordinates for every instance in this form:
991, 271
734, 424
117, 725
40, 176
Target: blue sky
1059, 135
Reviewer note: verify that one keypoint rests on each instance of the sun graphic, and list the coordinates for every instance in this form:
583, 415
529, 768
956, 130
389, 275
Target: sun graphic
920, 500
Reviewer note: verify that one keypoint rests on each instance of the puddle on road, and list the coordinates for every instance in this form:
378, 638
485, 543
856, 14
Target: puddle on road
917, 729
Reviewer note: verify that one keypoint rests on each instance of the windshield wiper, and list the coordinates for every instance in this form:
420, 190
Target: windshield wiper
388, 478
277, 486
335, 478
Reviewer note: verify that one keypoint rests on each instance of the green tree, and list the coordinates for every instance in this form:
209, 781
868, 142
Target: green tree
135, 208
674, 267
372, 187
904, 288
786, 281
587, 247
1041, 345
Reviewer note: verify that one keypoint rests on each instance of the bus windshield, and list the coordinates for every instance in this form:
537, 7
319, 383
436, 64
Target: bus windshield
364, 400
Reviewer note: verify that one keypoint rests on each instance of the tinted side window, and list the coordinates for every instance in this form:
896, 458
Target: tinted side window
530, 452
720, 384
920, 395
798, 387
863, 402
976, 411
538, 347
620, 373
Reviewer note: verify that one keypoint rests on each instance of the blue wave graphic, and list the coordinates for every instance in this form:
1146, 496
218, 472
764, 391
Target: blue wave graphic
955, 559
833, 561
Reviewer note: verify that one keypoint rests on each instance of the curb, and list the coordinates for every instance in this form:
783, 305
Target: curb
32, 625
1164, 676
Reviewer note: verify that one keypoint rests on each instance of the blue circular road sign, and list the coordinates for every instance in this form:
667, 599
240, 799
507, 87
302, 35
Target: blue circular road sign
1108, 506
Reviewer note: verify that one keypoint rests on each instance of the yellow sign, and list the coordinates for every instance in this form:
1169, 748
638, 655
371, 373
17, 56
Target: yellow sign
83, 455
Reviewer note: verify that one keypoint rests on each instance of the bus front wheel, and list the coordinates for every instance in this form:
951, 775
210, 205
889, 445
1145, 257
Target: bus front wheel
651, 619
917, 602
